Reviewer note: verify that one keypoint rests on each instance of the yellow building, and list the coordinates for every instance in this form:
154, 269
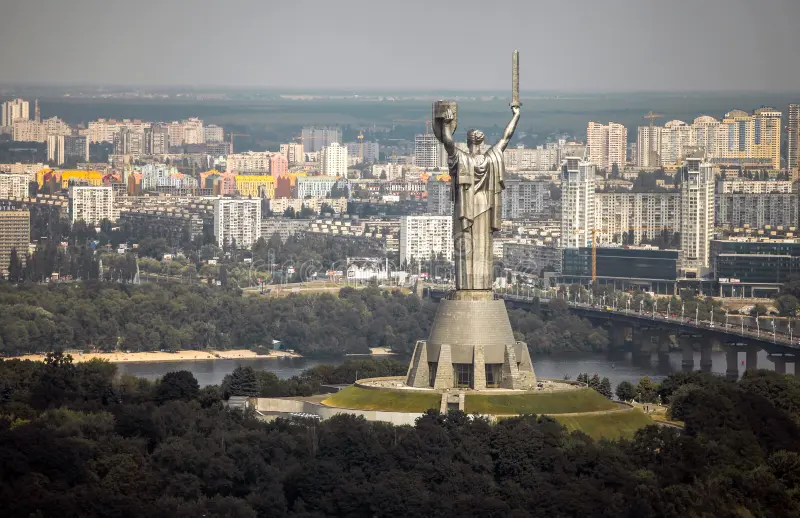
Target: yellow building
255, 186
742, 136
92, 178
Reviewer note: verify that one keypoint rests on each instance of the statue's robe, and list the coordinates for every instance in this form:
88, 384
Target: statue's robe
477, 213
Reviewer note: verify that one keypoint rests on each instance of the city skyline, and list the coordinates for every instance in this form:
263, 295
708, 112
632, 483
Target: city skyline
553, 44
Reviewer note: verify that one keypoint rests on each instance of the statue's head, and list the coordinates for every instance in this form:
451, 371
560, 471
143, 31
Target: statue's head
475, 137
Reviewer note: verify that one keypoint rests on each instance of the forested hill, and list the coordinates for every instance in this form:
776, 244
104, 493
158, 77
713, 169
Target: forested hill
77, 441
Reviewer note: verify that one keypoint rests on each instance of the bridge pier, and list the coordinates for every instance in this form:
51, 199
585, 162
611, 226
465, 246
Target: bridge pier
780, 364
705, 356
664, 343
687, 362
643, 339
618, 336
751, 358
732, 360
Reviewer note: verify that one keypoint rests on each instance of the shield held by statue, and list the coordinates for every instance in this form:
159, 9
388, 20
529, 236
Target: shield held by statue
439, 110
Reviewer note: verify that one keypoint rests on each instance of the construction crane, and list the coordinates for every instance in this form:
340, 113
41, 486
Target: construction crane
594, 232
652, 155
236, 135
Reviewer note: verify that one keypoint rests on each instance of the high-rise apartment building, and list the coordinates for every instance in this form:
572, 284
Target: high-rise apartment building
278, 165
629, 218
248, 162
697, 213
314, 186
294, 153
523, 199
427, 151
577, 202
91, 204
12, 111
367, 152
314, 139
213, 134
55, 126
440, 197
425, 237
14, 185
793, 137
237, 221
736, 210
129, 141
333, 160
648, 146
531, 159
61, 148
24, 130
607, 146
15, 234
157, 140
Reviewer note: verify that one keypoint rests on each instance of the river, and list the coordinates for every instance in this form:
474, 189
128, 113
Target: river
617, 366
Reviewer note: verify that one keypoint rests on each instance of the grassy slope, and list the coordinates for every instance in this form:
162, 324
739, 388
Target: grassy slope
609, 426
546, 403
365, 399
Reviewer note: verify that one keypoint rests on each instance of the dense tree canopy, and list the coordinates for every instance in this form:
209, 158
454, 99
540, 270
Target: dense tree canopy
76, 441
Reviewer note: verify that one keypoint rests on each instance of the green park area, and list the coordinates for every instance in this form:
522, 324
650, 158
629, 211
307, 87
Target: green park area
561, 402
610, 425
388, 400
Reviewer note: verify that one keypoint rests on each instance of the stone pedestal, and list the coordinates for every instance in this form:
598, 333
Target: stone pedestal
471, 333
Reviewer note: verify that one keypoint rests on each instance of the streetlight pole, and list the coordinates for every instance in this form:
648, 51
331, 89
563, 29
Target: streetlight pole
712, 316
758, 326
726, 319
696, 315
773, 329
683, 306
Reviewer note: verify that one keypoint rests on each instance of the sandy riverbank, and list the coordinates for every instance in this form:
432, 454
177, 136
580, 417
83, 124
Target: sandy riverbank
148, 357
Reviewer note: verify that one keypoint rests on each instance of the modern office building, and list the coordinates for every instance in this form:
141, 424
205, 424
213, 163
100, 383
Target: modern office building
532, 258
15, 234
697, 214
754, 267
14, 186
647, 268
793, 138
424, 237
237, 221
314, 139
333, 160
14, 110
577, 202
91, 204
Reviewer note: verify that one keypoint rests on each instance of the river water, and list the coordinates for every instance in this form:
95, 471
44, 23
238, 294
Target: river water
617, 366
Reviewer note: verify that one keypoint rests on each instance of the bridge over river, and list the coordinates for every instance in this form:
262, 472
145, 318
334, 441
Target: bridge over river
649, 332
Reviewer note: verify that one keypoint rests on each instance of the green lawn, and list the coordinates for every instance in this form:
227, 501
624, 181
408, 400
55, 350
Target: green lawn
393, 401
564, 402
609, 426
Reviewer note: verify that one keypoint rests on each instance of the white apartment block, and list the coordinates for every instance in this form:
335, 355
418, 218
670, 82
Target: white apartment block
697, 213
793, 138
14, 185
333, 160
423, 237
531, 257
193, 131
754, 186
213, 134
523, 199
577, 202
640, 215
12, 111
388, 171
756, 210
440, 197
427, 151
293, 152
314, 186
237, 221
55, 126
249, 162
91, 204
103, 130
531, 159
28, 131
314, 139
607, 145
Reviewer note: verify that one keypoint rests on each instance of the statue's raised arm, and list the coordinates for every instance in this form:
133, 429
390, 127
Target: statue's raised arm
512, 126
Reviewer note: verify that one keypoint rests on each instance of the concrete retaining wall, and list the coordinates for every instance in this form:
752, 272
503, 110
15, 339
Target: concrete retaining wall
290, 406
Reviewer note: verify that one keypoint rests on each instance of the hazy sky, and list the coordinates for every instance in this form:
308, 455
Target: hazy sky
432, 44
